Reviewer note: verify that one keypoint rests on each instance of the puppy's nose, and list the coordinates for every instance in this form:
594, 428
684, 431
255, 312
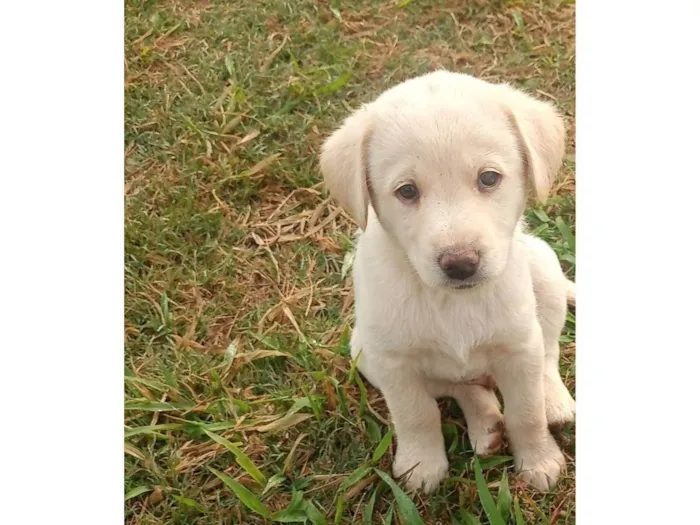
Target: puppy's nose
459, 265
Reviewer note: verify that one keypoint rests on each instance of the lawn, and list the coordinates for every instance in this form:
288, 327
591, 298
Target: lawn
241, 404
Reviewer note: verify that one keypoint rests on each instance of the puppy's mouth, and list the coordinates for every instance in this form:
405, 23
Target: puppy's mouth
463, 285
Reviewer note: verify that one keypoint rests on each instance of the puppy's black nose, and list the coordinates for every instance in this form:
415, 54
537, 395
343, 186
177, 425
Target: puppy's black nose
459, 265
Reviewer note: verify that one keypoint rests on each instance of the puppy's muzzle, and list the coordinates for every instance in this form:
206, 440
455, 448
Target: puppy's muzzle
459, 264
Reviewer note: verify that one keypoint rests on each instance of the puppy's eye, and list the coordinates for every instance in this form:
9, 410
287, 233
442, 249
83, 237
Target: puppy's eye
488, 179
408, 192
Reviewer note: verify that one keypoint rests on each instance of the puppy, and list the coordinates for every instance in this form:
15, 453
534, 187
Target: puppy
449, 287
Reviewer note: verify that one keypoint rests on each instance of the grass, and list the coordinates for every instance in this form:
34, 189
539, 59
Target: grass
241, 404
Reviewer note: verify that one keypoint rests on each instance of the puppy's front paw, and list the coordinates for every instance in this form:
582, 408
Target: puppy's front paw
540, 466
423, 470
560, 406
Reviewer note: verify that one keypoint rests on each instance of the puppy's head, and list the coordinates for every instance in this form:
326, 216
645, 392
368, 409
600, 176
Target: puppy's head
446, 160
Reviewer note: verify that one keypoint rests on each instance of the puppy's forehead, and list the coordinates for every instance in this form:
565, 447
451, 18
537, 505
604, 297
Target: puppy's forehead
438, 131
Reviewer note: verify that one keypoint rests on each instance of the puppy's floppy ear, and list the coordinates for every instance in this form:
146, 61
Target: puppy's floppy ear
541, 132
344, 165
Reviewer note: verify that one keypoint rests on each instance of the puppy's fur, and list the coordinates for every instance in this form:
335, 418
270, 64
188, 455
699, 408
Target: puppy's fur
421, 334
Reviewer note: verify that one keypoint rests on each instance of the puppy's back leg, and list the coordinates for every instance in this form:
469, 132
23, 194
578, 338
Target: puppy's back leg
363, 362
561, 407
484, 419
553, 290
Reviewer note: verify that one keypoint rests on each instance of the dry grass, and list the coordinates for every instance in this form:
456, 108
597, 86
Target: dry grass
238, 300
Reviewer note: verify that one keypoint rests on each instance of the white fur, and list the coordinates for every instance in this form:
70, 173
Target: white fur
420, 337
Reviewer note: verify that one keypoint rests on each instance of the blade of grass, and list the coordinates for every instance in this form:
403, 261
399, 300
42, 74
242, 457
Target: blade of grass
342, 403
190, 503
494, 461
468, 518
540, 214
373, 431
249, 499
155, 385
505, 498
485, 496
285, 422
451, 433
339, 508
289, 516
363, 394
315, 515
230, 353
244, 461
353, 367
223, 425
383, 446
407, 509
389, 518
519, 519
348, 259
566, 234
152, 428
154, 406
355, 477
335, 9
369, 509
274, 481
335, 85
136, 492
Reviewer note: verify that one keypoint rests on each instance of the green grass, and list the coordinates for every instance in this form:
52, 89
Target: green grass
242, 405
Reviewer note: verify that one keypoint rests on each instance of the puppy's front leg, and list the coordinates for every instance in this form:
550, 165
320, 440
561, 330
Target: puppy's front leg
519, 373
420, 452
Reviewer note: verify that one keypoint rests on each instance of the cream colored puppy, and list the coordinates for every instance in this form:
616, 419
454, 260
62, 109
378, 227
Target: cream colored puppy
448, 286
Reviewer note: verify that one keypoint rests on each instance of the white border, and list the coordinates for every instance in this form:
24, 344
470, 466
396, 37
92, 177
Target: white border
62, 262
638, 182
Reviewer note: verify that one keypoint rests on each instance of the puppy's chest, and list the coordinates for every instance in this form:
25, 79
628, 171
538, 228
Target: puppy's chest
450, 340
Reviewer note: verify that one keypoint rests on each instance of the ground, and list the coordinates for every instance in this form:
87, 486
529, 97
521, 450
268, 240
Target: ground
241, 403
